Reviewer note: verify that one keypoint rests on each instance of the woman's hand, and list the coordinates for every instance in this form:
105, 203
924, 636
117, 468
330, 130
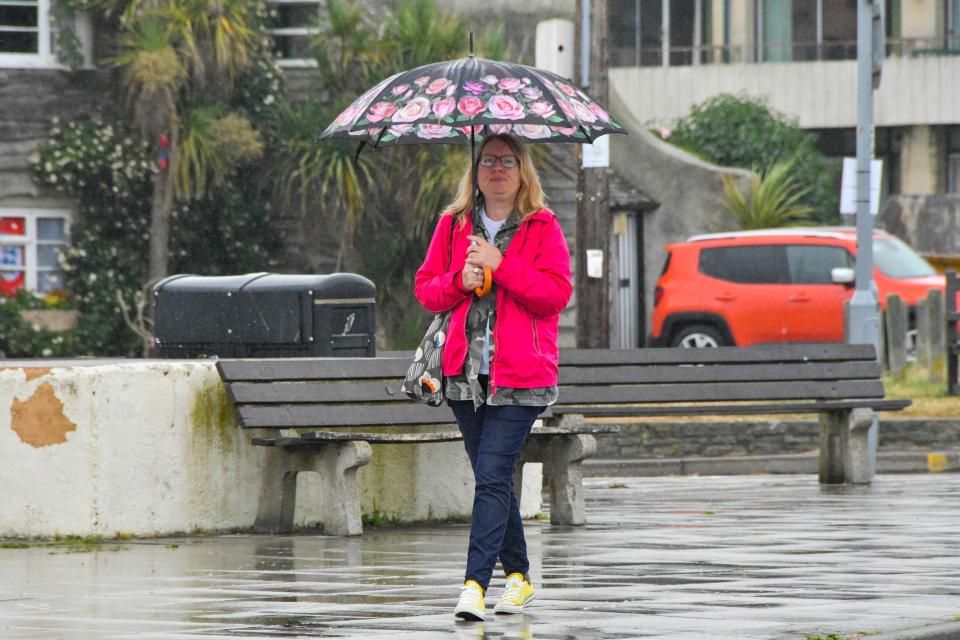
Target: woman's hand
483, 254
471, 277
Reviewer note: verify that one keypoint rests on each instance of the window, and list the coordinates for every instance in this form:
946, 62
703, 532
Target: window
895, 259
25, 34
953, 25
759, 264
807, 30
953, 159
655, 32
30, 247
296, 22
811, 264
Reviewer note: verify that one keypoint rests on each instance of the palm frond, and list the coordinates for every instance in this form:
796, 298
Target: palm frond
772, 199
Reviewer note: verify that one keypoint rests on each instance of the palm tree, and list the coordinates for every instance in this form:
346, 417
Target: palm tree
169, 51
771, 199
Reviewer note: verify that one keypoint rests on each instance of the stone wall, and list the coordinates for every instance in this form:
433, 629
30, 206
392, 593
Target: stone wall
29, 99
762, 438
928, 223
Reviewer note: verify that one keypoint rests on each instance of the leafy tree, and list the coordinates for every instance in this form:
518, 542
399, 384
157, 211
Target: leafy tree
742, 132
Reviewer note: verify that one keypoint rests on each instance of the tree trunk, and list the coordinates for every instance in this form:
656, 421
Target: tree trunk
161, 209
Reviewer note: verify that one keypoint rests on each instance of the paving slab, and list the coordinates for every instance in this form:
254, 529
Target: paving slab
671, 558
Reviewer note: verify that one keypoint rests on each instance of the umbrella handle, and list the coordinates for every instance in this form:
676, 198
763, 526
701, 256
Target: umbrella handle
487, 283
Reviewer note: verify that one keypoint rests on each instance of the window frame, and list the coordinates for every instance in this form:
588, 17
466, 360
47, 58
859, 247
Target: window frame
31, 242
44, 58
295, 31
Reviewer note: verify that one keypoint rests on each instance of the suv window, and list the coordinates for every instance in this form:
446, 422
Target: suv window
811, 264
757, 264
896, 259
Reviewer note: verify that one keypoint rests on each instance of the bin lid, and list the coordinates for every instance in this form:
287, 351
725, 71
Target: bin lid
329, 287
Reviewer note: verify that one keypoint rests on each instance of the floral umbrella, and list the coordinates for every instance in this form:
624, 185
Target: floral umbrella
455, 101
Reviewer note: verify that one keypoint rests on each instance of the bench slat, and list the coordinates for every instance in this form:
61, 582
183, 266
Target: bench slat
723, 391
719, 373
728, 409
283, 416
321, 437
286, 392
760, 353
270, 369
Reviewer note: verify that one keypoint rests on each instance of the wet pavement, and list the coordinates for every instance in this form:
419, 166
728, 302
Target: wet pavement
678, 558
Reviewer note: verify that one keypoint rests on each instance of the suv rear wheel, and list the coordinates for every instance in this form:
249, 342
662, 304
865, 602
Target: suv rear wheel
698, 336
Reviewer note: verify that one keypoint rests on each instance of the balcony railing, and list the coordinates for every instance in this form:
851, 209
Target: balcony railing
651, 56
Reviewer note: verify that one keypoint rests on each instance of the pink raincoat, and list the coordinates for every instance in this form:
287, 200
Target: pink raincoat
534, 287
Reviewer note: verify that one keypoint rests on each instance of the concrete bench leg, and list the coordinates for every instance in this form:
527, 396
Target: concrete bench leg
337, 465
844, 447
561, 457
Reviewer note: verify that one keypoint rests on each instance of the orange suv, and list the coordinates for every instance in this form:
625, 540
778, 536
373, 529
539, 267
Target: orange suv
776, 285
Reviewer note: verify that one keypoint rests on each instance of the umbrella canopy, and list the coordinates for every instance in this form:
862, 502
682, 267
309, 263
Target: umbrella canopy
457, 101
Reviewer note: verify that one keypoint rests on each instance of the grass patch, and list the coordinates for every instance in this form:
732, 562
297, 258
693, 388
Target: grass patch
173, 545
930, 399
14, 545
378, 518
616, 485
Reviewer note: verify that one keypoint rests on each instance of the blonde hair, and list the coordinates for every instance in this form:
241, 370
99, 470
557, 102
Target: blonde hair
530, 196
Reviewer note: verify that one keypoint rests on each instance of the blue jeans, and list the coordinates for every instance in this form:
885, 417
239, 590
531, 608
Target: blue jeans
494, 437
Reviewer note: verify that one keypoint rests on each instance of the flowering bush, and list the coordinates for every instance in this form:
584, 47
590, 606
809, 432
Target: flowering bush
20, 339
106, 170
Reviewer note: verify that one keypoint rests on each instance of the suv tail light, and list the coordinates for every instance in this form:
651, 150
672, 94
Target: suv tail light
657, 295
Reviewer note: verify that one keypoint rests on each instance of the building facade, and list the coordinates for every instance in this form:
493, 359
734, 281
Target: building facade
800, 56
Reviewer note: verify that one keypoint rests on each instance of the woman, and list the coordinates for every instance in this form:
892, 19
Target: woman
500, 358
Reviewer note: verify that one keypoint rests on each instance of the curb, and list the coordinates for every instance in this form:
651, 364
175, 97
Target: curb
887, 462
946, 631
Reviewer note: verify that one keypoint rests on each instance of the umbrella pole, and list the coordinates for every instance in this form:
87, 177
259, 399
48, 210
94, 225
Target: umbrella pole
473, 167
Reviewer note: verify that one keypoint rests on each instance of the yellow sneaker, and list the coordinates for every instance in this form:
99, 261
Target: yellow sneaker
517, 594
470, 606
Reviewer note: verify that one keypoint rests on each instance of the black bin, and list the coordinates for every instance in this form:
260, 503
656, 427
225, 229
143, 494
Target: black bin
264, 315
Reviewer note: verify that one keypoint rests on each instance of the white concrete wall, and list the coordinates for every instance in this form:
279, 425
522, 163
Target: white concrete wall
922, 90
153, 448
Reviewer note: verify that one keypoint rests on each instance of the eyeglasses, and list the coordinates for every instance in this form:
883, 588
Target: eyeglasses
507, 162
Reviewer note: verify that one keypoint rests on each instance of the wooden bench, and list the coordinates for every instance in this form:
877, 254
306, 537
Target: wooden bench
322, 415
336, 406
839, 382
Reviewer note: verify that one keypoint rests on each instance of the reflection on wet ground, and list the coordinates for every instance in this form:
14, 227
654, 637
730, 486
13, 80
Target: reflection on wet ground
674, 558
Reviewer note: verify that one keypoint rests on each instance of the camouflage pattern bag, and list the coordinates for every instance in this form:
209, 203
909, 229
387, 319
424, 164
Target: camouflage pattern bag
424, 379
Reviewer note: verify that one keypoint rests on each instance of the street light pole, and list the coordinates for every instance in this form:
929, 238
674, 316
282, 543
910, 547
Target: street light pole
864, 320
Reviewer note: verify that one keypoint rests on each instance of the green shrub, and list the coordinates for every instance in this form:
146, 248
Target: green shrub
738, 131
